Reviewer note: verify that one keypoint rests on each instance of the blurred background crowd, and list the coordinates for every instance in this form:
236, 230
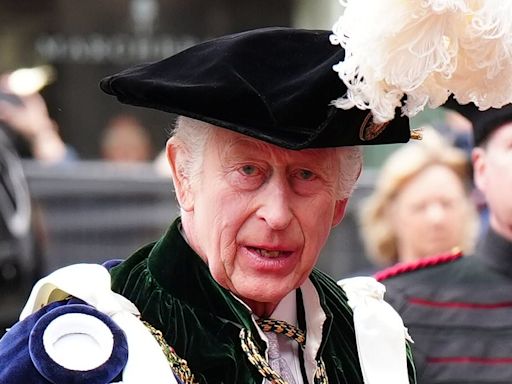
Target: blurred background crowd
83, 178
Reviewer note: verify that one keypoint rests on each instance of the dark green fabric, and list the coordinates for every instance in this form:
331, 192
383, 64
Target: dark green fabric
173, 289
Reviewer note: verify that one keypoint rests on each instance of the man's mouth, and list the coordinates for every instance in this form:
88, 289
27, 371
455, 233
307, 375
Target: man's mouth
268, 253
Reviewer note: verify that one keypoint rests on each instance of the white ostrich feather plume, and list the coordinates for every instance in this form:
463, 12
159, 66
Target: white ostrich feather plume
424, 50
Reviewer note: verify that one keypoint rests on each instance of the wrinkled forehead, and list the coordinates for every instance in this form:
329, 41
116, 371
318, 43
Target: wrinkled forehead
231, 143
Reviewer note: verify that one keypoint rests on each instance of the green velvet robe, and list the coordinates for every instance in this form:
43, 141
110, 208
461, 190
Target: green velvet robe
175, 292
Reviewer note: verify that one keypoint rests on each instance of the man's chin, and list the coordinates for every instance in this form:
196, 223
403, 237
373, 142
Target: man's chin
259, 296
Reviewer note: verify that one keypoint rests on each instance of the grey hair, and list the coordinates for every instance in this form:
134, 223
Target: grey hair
351, 163
193, 135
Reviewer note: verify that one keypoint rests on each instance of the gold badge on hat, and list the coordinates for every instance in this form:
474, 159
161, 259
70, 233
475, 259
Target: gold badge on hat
369, 130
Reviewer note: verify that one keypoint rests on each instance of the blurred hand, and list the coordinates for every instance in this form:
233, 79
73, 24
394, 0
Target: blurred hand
31, 120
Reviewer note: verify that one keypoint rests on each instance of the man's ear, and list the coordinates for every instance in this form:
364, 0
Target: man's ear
479, 164
339, 211
182, 185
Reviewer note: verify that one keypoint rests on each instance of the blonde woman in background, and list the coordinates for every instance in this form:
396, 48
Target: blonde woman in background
420, 205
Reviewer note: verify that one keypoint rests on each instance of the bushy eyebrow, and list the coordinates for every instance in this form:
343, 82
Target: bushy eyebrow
244, 147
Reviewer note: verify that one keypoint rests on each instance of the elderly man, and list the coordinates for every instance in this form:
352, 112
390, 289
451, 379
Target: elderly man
458, 309
262, 167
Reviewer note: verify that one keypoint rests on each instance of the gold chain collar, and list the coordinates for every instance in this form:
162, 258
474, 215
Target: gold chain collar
178, 365
262, 365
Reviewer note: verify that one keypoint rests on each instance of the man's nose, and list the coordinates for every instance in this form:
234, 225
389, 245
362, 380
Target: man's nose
275, 204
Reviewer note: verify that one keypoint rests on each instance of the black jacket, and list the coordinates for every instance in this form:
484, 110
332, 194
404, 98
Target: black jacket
459, 313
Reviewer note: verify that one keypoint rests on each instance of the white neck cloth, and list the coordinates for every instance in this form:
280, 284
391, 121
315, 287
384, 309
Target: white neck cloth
380, 332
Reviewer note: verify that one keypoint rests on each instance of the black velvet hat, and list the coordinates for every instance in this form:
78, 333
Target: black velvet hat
484, 122
274, 84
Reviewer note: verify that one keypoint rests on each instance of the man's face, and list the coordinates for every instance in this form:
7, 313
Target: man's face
493, 176
260, 214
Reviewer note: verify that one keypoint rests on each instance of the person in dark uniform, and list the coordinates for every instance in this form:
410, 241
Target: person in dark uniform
458, 308
262, 166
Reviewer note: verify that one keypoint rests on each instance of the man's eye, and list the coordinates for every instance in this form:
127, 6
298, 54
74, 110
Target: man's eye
304, 174
248, 170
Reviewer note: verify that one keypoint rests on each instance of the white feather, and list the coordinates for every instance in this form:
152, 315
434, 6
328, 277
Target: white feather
425, 50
